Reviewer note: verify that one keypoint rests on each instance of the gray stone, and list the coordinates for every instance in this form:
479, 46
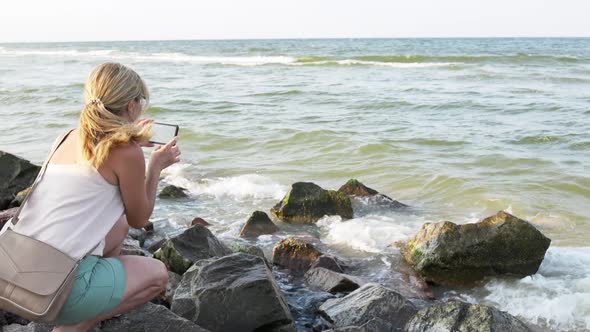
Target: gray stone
16, 174
232, 293
194, 244
374, 325
355, 188
258, 224
307, 202
132, 247
450, 254
329, 262
150, 318
368, 302
464, 317
6, 215
330, 281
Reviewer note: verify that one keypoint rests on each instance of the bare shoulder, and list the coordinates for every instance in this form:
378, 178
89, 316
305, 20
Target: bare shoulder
126, 155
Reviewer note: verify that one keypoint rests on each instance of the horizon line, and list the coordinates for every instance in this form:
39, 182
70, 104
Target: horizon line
286, 38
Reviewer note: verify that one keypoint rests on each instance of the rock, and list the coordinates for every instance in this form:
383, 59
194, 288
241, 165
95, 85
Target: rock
258, 224
149, 226
138, 234
194, 244
199, 221
459, 316
31, 327
7, 318
366, 303
245, 248
171, 191
132, 247
16, 174
232, 293
307, 202
295, 255
450, 254
374, 325
6, 215
328, 262
165, 298
356, 188
19, 198
154, 243
150, 318
330, 281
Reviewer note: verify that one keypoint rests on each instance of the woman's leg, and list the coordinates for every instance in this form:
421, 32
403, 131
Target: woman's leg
115, 237
145, 278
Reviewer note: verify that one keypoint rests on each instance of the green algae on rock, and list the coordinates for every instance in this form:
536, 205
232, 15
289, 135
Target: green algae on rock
295, 254
307, 202
171, 191
451, 254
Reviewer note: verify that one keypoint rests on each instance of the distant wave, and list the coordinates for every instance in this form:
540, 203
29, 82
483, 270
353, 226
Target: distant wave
395, 61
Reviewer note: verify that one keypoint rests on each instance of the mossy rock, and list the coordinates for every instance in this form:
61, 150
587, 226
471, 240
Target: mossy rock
307, 202
450, 254
295, 254
194, 244
171, 191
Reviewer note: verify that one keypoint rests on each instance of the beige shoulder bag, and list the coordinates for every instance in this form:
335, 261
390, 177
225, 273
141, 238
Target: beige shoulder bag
35, 278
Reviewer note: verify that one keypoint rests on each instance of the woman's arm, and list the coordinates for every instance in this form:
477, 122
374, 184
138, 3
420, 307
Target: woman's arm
138, 188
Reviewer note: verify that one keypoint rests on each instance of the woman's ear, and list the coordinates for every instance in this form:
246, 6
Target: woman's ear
132, 112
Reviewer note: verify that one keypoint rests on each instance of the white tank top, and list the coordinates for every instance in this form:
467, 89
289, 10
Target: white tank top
72, 209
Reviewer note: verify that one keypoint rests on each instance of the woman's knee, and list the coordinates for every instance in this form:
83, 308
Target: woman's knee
162, 274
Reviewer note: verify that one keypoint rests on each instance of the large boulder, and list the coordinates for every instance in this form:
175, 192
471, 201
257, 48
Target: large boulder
232, 293
329, 262
464, 317
356, 188
366, 303
330, 281
446, 253
258, 224
295, 254
16, 174
307, 202
194, 244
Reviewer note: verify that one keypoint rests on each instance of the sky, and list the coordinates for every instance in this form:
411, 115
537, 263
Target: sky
106, 20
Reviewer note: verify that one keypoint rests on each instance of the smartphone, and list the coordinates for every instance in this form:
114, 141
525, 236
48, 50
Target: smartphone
162, 133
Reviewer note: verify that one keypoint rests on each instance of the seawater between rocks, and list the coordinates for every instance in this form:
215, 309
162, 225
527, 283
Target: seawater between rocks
456, 128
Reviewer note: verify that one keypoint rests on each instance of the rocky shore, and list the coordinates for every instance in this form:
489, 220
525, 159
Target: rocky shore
217, 285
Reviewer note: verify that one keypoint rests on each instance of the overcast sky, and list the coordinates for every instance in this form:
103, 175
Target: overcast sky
82, 20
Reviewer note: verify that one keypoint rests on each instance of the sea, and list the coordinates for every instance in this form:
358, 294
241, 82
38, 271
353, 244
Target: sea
458, 129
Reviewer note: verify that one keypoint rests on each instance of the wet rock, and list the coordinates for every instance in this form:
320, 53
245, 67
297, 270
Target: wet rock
152, 244
194, 244
16, 174
374, 325
330, 281
199, 221
258, 224
149, 226
150, 317
232, 293
459, 316
246, 248
7, 318
366, 303
329, 262
6, 215
138, 234
20, 197
132, 247
356, 188
307, 202
165, 299
171, 191
294, 254
446, 253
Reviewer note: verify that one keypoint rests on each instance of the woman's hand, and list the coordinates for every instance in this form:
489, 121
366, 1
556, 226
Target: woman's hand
165, 155
143, 123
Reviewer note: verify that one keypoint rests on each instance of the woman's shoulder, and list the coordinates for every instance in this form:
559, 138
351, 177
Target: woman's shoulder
126, 154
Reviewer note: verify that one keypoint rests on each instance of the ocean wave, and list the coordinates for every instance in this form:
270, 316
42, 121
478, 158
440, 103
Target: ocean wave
557, 296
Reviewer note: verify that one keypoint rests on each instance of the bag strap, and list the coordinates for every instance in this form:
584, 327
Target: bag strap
54, 148
56, 145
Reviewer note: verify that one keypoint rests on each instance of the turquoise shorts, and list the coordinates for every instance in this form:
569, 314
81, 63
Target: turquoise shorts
98, 289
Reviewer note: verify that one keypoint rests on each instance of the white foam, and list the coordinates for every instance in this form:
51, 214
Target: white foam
352, 62
241, 187
372, 233
557, 296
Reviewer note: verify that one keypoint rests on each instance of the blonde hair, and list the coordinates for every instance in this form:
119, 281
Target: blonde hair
103, 126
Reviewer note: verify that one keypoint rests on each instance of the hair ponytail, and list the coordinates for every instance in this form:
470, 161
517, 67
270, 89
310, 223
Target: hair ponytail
108, 91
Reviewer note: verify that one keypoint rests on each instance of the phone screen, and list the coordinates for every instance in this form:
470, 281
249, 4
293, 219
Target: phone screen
162, 133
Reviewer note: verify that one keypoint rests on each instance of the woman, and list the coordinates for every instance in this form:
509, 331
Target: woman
94, 188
